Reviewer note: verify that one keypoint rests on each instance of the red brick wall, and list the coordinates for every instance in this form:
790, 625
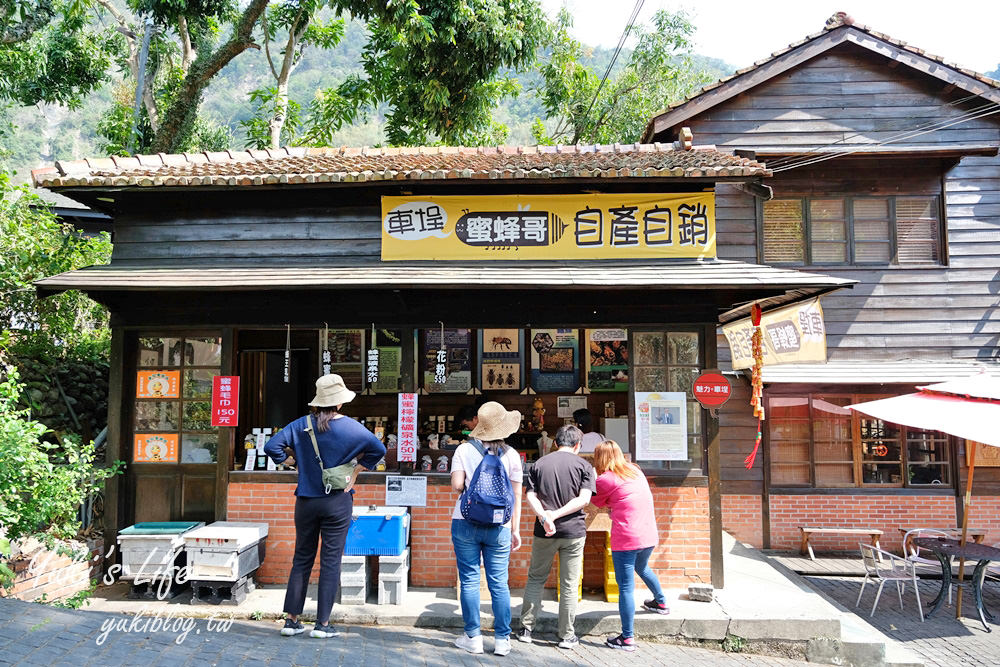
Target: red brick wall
985, 514
741, 517
681, 513
45, 573
886, 513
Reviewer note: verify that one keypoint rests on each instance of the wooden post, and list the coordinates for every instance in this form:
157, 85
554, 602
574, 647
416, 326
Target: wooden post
714, 473
113, 495
227, 435
965, 525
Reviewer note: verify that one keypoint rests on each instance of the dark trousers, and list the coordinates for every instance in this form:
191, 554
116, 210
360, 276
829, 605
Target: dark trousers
329, 516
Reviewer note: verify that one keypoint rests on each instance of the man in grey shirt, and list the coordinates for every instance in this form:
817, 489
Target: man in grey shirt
559, 487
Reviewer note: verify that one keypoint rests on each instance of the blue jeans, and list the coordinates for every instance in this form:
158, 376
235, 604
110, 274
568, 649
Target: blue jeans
492, 543
627, 565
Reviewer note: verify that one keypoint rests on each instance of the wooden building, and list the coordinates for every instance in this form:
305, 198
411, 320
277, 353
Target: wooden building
885, 171
222, 261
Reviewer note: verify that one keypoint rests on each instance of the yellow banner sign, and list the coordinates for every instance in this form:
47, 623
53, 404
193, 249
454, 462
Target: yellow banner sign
792, 335
579, 226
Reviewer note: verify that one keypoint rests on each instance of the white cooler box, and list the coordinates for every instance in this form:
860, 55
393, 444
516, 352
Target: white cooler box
225, 550
150, 550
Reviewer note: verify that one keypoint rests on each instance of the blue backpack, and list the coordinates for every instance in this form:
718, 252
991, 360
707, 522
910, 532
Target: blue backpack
489, 498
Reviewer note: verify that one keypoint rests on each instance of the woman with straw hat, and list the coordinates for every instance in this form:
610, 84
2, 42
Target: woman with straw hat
323, 439
492, 543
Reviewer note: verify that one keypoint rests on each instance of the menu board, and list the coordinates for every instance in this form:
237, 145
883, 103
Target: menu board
155, 448
501, 359
344, 355
157, 384
389, 343
661, 426
458, 345
555, 360
607, 359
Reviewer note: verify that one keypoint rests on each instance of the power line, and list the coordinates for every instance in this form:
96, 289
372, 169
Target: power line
614, 57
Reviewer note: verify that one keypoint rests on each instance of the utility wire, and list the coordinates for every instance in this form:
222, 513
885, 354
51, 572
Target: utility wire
829, 156
614, 57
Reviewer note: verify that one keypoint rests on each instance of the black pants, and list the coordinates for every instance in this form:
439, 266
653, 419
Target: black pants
329, 516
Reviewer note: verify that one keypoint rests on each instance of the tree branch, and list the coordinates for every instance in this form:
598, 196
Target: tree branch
180, 116
187, 50
267, 46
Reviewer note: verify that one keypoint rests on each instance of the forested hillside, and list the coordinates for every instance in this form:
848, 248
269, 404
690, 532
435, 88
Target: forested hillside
46, 133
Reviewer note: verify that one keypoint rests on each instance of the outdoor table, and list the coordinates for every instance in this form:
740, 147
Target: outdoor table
945, 549
977, 535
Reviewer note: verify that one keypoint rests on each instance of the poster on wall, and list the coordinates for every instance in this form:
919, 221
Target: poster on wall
344, 355
158, 384
389, 343
661, 426
607, 359
555, 360
458, 344
155, 448
225, 400
501, 359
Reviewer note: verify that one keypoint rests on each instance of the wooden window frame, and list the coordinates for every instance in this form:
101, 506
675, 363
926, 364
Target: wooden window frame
804, 202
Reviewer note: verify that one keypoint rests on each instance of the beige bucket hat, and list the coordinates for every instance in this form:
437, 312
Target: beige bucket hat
331, 392
496, 422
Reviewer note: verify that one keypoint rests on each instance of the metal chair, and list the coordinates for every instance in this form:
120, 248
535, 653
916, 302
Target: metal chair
890, 568
913, 553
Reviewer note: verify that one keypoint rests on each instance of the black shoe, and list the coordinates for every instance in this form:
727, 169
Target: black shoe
292, 628
524, 636
324, 631
619, 642
653, 605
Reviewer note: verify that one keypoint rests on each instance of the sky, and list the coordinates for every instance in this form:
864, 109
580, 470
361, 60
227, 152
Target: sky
741, 31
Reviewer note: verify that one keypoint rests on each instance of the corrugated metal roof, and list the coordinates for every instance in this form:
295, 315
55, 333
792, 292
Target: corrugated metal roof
300, 165
706, 274
905, 371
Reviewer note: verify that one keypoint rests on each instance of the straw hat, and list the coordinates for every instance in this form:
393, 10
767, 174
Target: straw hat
495, 422
331, 392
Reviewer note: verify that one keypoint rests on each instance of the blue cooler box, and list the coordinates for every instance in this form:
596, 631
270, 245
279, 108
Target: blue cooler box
378, 531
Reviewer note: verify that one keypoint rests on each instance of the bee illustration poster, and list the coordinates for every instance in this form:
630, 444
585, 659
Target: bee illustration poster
501, 359
458, 345
155, 448
532, 227
555, 360
157, 384
607, 359
344, 355
389, 343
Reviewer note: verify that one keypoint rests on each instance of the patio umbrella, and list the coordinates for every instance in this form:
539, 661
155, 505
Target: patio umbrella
968, 408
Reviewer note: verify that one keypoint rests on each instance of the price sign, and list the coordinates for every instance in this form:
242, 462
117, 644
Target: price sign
406, 449
712, 389
225, 400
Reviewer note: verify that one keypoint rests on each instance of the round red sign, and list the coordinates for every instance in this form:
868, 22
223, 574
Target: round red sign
712, 389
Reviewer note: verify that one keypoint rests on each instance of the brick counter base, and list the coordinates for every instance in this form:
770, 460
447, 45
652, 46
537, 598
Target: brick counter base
681, 514
43, 572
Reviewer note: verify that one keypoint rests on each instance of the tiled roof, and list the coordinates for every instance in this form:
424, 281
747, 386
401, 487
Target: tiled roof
837, 21
346, 165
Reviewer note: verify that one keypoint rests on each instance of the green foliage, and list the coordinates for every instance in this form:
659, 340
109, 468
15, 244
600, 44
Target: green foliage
258, 128
41, 485
78, 599
34, 245
579, 110
734, 644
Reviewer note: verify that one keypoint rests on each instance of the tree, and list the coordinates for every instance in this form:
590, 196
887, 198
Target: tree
581, 110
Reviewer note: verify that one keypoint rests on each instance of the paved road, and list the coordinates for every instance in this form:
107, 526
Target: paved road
32, 634
941, 640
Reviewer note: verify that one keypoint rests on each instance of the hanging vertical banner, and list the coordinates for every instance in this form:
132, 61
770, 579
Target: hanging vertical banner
155, 448
157, 384
225, 400
794, 334
457, 343
555, 360
388, 345
501, 359
344, 355
546, 227
607, 359
661, 426
407, 443
286, 376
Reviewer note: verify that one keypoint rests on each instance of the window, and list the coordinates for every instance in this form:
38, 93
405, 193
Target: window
852, 230
671, 361
184, 414
816, 441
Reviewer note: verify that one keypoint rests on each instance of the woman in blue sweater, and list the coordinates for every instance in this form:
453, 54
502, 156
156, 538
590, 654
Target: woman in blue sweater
319, 510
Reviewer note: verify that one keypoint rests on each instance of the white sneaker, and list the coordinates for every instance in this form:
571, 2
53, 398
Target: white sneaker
471, 644
501, 646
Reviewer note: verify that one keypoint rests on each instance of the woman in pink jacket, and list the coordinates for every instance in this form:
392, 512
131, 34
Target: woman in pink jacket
622, 488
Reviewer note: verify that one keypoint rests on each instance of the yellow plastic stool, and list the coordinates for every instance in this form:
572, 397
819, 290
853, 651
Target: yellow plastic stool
610, 584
